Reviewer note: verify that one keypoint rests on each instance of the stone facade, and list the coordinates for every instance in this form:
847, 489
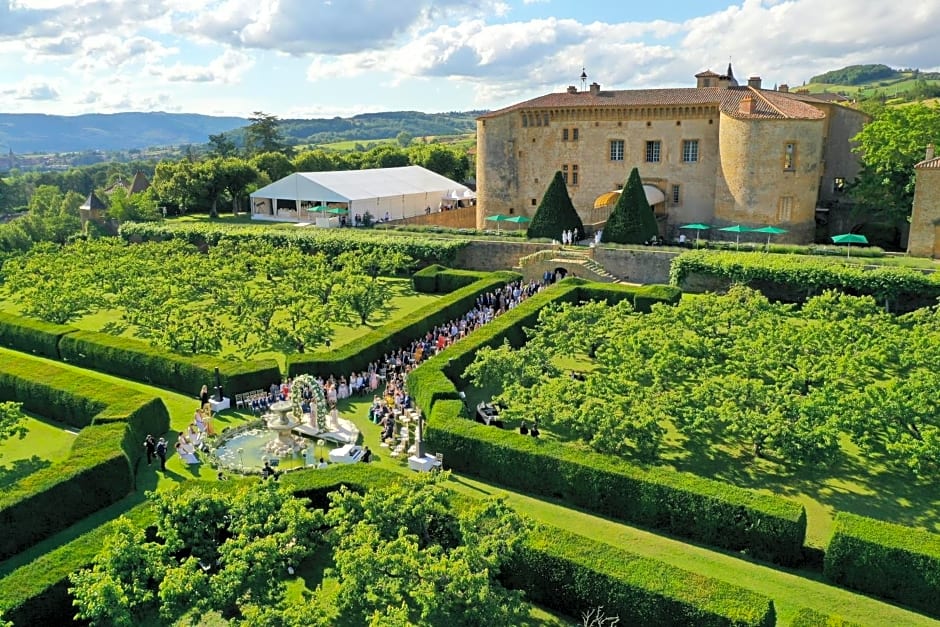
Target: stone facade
924, 238
719, 153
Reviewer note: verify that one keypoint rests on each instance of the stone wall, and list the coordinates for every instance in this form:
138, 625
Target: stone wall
636, 266
495, 255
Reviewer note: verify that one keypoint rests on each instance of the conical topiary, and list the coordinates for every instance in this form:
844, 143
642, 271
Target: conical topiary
631, 221
555, 213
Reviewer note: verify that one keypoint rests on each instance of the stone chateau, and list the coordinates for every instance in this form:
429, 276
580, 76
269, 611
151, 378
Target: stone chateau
719, 153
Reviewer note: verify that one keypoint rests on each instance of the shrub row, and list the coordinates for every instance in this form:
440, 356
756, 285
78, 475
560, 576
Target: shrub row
138, 360
686, 505
101, 462
357, 355
331, 242
808, 617
887, 560
782, 277
32, 336
566, 572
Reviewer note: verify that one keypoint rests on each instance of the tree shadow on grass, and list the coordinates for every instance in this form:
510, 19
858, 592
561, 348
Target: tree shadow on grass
11, 474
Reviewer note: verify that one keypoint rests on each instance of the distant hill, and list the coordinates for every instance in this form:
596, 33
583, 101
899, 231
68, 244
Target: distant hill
43, 134
877, 82
38, 133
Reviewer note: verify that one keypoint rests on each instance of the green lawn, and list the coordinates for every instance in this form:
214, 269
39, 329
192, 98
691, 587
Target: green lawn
45, 443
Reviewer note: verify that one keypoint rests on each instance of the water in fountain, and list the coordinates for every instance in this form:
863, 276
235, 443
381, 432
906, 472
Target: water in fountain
246, 451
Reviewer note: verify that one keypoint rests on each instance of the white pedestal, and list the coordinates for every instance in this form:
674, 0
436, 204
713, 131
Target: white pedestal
215, 405
423, 464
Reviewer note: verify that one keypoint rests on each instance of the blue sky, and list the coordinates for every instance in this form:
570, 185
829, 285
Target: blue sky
322, 58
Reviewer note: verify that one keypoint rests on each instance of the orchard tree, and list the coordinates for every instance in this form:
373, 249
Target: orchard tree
221, 145
11, 421
405, 554
631, 221
555, 213
275, 165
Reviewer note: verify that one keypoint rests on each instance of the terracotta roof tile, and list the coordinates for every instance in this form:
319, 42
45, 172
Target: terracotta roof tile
929, 164
770, 104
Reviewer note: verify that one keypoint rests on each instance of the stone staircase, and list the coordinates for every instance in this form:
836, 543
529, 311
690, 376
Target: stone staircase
578, 261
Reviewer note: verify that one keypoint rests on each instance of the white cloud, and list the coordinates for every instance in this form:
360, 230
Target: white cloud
31, 90
229, 67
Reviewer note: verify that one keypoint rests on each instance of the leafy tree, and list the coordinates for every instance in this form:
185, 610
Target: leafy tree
444, 160
275, 165
404, 555
225, 552
361, 296
263, 134
890, 146
404, 139
555, 213
138, 207
631, 221
221, 145
314, 161
11, 421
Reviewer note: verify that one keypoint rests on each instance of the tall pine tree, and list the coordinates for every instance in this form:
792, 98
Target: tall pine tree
555, 213
632, 220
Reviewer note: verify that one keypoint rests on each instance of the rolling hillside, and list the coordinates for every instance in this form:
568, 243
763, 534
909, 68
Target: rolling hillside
877, 81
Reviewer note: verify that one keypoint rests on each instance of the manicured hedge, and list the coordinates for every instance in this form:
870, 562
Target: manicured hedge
808, 617
686, 505
138, 360
425, 280
887, 560
101, 463
784, 277
642, 298
31, 336
573, 574
331, 242
357, 355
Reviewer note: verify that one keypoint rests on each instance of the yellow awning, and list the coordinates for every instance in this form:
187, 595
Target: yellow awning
654, 196
607, 199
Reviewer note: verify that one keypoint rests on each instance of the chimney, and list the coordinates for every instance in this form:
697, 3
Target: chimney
572, 89
595, 89
930, 152
784, 88
753, 81
747, 106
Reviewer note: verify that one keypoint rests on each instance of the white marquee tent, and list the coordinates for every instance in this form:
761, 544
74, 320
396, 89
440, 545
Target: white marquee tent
394, 192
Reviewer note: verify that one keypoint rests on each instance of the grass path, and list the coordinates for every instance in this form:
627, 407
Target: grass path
790, 590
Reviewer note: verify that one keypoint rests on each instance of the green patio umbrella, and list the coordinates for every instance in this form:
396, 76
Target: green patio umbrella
769, 230
497, 218
518, 219
697, 227
337, 210
850, 238
737, 229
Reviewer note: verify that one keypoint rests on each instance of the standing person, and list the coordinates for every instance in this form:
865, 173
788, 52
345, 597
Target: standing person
204, 395
150, 445
161, 453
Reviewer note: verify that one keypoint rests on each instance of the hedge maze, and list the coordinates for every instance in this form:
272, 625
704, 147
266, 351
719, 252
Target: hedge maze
556, 568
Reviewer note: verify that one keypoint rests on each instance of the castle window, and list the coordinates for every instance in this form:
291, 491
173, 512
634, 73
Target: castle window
616, 150
574, 175
653, 150
676, 194
689, 150
534, 202
545, 119
784, 208
525, 120
564, 173
564, 134
574, 134
789, 156
538, 120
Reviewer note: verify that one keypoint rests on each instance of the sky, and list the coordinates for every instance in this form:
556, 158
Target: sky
326, 58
